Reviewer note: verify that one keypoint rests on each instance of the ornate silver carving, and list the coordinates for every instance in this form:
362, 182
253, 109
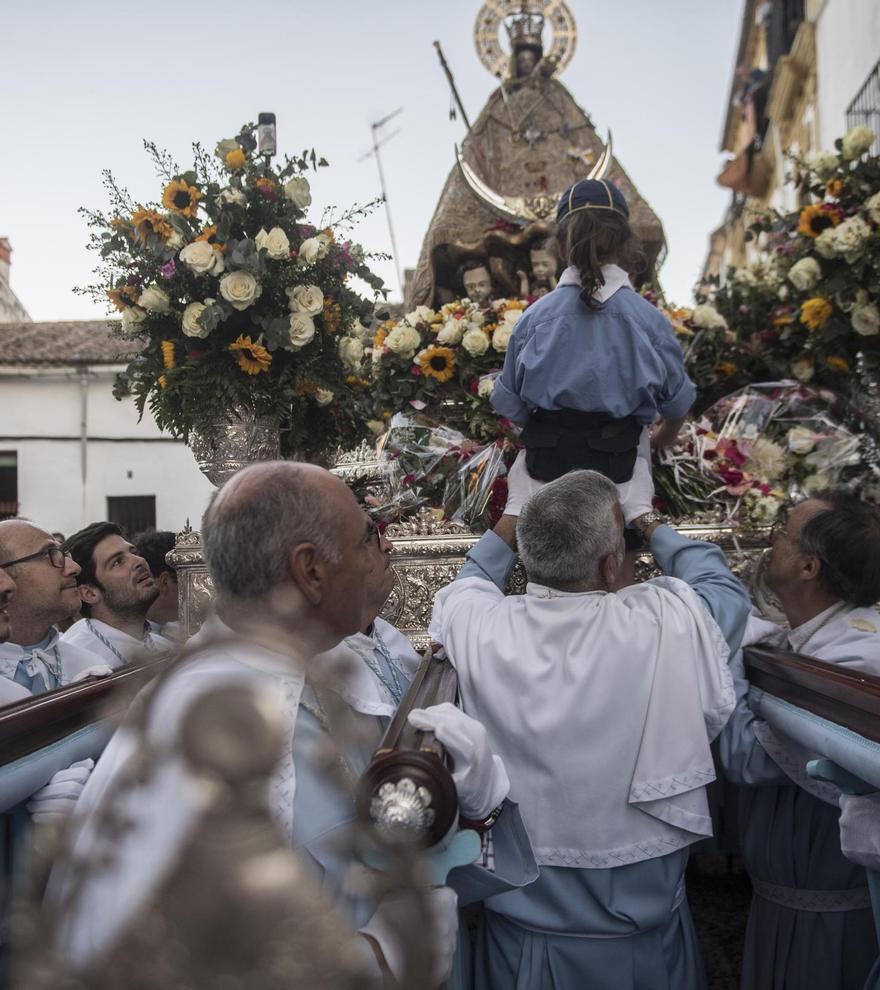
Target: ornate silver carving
228, 445
402, 808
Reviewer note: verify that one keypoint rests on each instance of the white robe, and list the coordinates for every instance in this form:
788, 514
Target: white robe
76, 662
128, 647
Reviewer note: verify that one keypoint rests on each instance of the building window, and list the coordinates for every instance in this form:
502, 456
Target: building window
132, 513
865, 108
8, 484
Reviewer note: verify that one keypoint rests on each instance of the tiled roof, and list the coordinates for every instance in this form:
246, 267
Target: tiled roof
64, 343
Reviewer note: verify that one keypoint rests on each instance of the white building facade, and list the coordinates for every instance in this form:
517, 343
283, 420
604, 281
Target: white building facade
70, 453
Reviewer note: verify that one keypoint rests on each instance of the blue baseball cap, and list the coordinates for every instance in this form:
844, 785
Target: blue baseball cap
591, 194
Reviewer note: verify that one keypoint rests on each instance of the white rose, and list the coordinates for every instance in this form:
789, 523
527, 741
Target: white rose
826, 243
155, 299
230, 196
800, 440
850, 237
202, 258
511, 317
240, 289
708, 318
298, 192
765, 510
132, 318
475, 342
804, 274
323, 396
857, 142
823, 163
742, 276
872, 206
501, 337
275, 242
450, 333
307, 299
190, 321
376, 426
803, 369
865, 320
485, 387
403, 340
302, 330
782, 293
351, 353
421, 314
311, 250
175, 241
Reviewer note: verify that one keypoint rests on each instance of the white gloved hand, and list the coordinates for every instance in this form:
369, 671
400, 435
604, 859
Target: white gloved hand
637, 494
398, 921
521, 486
860, 829
55, 801
480, 778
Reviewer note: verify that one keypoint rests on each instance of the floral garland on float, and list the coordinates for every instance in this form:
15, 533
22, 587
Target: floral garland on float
808, 305
432, 373
242, 307
754, 450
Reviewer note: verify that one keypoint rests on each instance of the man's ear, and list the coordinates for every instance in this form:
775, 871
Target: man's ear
90, 595
308, 572
811, 568
164, 580
608, 569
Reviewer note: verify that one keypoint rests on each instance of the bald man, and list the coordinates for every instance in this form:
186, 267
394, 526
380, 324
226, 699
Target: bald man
9, 690
291, 557
33, 655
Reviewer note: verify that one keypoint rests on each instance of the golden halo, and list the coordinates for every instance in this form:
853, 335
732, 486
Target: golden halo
490, 21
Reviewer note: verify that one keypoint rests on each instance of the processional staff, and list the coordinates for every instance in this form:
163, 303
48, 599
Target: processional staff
445, 66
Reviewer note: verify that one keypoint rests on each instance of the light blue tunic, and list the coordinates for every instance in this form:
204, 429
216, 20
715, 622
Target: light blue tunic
608, 929
323, 814
791, 839
622, 359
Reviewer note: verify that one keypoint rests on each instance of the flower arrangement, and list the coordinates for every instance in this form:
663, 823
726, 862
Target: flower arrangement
756, 448
239, 302
444, 358
808, 306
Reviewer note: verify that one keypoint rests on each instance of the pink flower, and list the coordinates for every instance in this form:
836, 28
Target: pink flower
415, 370
168, 268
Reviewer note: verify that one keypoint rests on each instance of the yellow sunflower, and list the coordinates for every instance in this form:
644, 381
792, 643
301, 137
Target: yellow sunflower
181, 198
209, 234
163, 381
123, 297
252, 358
235, 159
837, 363
168, 359
332, 316
147, 222
815, 312
833, 188
724, 369
379, 338
817, 217
437, 362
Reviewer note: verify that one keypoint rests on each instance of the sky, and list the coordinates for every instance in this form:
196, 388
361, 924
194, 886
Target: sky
85, 83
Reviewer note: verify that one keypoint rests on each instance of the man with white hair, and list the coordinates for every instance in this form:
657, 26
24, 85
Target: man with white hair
602, 705
291, 556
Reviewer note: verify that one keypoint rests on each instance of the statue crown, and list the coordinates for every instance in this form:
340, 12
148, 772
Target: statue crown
525, 30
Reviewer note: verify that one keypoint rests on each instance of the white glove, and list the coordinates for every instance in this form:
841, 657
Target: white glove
55, 801
637, 494
860, 829
480, 778
521, 486
397, 922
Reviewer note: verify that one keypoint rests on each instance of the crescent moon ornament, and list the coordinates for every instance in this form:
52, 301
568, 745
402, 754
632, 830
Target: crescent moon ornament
495, 13
524, 209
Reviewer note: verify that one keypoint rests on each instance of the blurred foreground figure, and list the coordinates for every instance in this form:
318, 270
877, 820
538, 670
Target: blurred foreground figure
810, 923
602, 705
174, 814
154, 546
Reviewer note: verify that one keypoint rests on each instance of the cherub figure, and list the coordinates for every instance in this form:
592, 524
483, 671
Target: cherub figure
544, 266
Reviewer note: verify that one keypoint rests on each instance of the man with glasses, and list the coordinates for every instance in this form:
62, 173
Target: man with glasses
810, 923
34, 656
116, 590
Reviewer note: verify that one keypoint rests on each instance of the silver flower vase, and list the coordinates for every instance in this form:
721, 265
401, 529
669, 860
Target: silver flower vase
230, 443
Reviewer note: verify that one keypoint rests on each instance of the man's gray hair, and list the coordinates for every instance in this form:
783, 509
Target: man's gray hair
248, 538
567, 527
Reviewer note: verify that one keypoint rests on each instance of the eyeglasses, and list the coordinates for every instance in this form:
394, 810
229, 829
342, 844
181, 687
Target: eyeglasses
57, 557
373, 531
